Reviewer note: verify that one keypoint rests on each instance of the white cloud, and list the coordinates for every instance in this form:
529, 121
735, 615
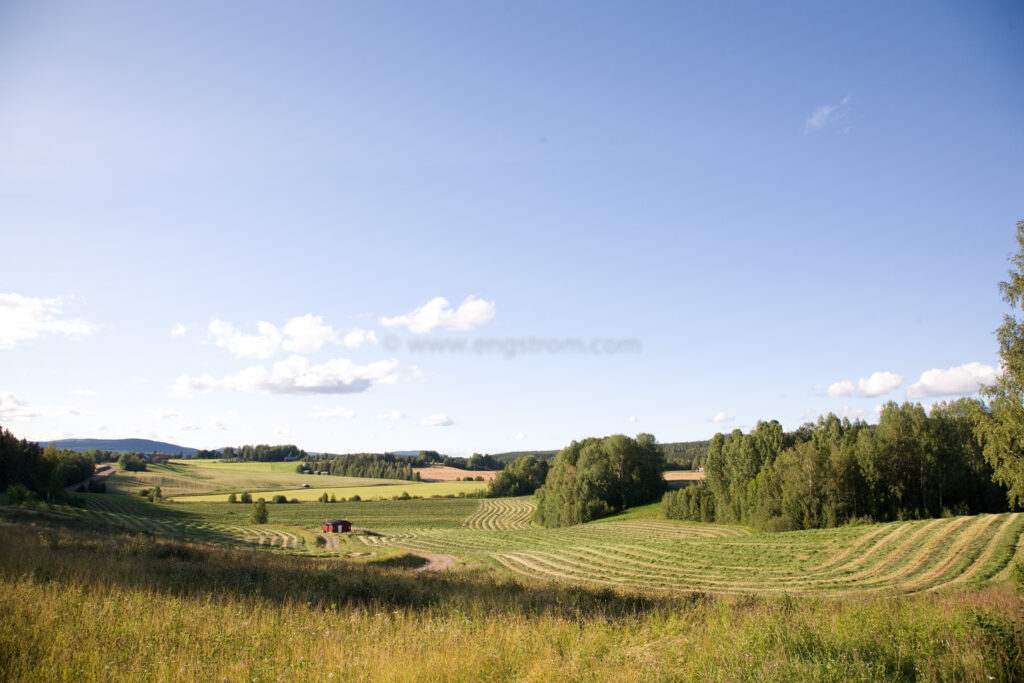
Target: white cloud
840, 389
393, 416
879, 383
260, 345
307, 333
852, 413
826, 114
168, 415
437, 421
13, 409
631, 418
338, 412
723, 417
179, 330
519, 436
295, 375
438, 313
357, 337
185, 385
24, 318
961, 380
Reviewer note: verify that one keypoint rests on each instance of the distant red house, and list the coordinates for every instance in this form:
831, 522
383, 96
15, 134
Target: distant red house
337, 526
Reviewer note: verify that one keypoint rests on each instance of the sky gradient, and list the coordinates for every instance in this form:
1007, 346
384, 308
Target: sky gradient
231, 222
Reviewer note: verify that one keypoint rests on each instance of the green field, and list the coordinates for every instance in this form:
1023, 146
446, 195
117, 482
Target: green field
381, 490
197, 477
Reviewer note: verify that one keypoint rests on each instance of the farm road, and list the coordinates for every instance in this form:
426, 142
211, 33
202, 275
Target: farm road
436, 563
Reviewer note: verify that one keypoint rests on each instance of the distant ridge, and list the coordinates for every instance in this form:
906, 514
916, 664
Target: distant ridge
121, 446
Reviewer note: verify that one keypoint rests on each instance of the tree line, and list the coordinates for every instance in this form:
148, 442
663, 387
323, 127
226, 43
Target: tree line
912, 464
371, 465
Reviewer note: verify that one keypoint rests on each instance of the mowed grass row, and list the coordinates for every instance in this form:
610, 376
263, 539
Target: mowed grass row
262, 535
502, 514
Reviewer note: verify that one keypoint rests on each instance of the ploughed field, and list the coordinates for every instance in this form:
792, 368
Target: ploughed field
633, 551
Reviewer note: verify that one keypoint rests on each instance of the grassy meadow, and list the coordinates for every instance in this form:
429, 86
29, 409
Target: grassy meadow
190, 588
86, 603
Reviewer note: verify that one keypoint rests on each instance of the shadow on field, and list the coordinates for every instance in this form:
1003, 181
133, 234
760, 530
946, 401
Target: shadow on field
59, 549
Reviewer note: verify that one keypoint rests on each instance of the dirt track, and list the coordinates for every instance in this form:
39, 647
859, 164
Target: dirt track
436, 563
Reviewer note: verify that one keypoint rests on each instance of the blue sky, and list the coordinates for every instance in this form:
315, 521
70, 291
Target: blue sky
751, 211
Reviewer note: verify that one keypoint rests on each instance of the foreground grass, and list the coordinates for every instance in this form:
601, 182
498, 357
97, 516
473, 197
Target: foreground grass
86, 604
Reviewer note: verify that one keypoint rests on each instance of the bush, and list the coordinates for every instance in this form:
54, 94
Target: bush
17, 494
355, 499
232, 498
96, 486
259, 514
324, 498
132, 462
279, 499
246, 498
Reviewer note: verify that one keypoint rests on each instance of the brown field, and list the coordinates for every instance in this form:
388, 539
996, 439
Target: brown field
443, 473
684, 475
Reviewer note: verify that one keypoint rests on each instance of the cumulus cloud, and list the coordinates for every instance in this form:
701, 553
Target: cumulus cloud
295, 375
307, 333
879, 383
186, 385
25, 318
357, 337
631, 418
437, 421
840, 389
828, 114
438, 313
961, 380
179, 330
723, 417
302, 334
11, 408
263, 344
393, 416
519, 436
339, 412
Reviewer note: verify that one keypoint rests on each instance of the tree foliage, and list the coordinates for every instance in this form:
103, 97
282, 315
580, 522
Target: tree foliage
520, 477
1004, 430
595, 477
259, 514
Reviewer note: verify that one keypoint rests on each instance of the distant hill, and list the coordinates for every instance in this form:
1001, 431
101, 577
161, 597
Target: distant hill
121, 446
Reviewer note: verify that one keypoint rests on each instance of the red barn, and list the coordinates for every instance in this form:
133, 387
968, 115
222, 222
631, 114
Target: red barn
337, 526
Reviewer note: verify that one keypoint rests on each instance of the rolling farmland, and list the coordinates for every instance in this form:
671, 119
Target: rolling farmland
632, 553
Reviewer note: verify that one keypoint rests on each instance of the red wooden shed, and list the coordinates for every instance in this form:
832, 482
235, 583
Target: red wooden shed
337, 526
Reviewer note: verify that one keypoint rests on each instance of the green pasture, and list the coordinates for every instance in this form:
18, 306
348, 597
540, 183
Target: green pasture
192, 477
379, 490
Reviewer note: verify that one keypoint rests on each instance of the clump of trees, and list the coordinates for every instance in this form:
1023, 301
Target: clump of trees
520, 477
132, 462
595, 477
41, 471
260, 453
